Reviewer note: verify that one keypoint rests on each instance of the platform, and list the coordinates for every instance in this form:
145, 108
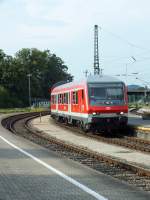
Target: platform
29, 171
47, 125
136, 120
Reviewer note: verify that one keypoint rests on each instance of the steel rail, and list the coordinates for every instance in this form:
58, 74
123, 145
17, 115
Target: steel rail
132, 174
130, 142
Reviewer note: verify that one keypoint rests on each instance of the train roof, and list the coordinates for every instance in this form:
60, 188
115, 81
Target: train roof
101, 79
89, 79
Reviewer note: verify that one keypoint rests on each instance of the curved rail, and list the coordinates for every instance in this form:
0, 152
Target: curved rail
9, 122
130, 142
130, 173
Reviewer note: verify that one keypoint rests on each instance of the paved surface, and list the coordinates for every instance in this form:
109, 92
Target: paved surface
138, 121
28, 171
48, 126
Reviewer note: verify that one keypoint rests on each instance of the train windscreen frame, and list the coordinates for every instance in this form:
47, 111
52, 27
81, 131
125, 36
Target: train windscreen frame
106, 94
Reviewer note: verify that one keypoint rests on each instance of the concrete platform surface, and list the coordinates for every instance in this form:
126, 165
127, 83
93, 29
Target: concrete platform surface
48, 126
137, 120
29, 171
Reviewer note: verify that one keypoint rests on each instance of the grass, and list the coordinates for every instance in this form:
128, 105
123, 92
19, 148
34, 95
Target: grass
147, 107
135, 105
15, 110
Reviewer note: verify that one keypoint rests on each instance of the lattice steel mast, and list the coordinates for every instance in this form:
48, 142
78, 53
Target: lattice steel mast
96, 52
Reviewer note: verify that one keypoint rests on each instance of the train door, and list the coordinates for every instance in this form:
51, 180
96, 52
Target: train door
69, 102
56, 103
81, 100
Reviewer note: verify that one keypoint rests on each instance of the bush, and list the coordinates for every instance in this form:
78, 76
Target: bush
8, 100
4, 97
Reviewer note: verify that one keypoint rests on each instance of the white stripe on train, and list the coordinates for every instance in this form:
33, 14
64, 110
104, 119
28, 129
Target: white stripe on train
84, 115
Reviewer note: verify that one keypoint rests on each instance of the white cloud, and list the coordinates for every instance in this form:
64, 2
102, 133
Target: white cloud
72, 17
67, 26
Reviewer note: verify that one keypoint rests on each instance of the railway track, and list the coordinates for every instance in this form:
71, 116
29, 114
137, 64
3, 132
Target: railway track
9, 122
130, 142
134, 175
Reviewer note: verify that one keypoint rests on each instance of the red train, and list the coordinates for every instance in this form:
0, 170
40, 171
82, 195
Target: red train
98, 102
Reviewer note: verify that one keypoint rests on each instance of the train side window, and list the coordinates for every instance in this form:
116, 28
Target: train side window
82, 94
61, 99
58, 98
69, 97
66, 98
77, 97
73, 97
63, 96
52, 99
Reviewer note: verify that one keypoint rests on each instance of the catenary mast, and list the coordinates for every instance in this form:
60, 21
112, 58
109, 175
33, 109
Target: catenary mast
97, 70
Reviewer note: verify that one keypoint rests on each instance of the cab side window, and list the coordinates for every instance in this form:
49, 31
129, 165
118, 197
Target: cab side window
75, 97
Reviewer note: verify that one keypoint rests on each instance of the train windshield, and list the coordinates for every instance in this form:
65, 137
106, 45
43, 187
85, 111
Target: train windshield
106, 94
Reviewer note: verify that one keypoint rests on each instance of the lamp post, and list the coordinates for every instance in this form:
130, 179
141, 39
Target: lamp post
29, 88
145, 86
134, 60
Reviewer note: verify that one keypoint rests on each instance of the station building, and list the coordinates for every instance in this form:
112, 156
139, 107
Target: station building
139, 95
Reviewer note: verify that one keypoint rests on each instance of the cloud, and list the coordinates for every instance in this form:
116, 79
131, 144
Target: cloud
80, 13
67, 26
36, 31
67, 21
39, 8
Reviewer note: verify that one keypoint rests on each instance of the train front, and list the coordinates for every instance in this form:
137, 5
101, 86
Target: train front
108, 106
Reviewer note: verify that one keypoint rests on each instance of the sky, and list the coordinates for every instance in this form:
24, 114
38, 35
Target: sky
66, 28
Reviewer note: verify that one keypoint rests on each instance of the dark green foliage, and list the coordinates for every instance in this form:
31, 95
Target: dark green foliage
45, 69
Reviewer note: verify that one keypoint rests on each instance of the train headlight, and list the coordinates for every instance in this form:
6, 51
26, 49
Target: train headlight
121, 113
94, 113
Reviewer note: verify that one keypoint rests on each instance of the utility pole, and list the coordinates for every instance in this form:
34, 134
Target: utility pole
145, 88
86, 73
29, 88
97, 70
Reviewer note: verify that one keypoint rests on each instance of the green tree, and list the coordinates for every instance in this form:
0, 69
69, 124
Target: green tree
45, 69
